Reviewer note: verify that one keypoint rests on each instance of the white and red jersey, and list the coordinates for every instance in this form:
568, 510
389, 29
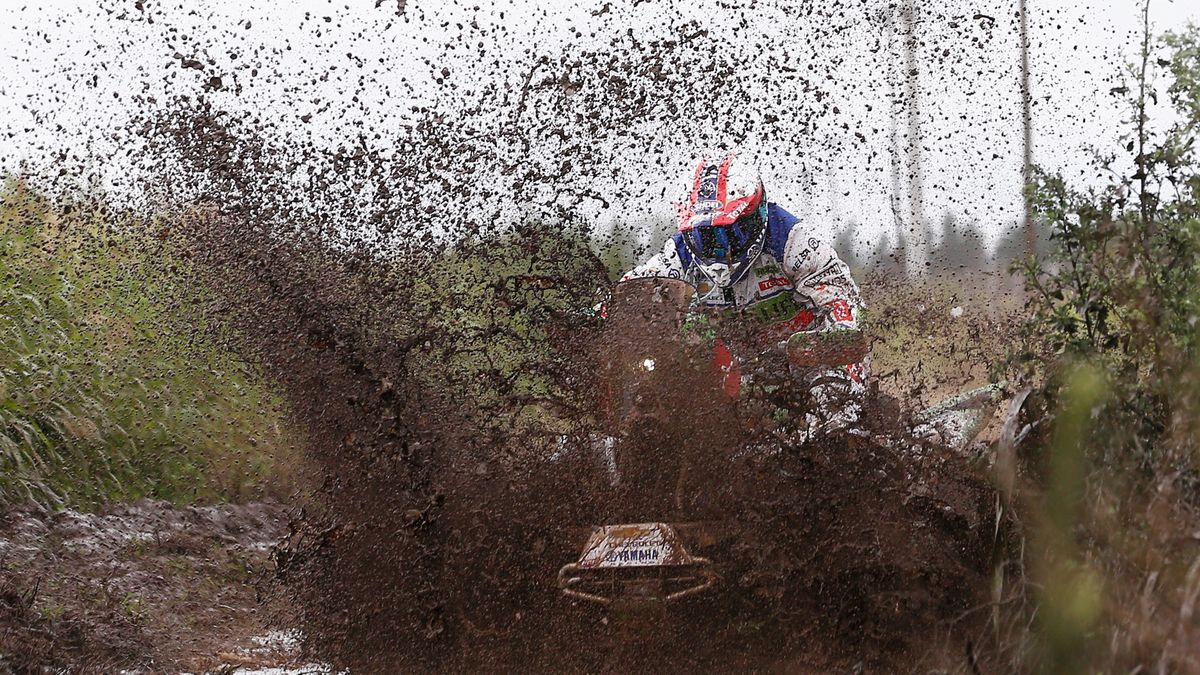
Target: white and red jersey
795, 283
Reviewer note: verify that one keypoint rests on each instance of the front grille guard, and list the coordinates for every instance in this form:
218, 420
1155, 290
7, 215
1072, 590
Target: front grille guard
696, 576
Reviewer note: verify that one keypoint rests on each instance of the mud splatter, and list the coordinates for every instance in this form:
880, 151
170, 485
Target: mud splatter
416, 279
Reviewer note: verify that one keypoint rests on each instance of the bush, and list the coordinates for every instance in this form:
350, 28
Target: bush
1119, 286
1113, 498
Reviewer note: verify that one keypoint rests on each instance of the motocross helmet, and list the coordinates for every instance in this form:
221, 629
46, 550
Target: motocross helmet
724, 220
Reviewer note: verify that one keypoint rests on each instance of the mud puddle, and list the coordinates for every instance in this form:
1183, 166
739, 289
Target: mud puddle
144, 587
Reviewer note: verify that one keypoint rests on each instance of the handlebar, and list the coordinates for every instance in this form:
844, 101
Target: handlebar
668, 302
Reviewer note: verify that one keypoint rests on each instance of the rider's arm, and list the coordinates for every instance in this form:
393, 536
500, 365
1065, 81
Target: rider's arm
823, 279
665, 263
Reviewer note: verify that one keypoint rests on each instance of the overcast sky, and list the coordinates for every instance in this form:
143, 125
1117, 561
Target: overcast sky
971, 137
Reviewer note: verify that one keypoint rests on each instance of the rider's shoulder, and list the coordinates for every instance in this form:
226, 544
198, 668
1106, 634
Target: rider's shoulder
798, 247
787, 235
780, 225
793, 234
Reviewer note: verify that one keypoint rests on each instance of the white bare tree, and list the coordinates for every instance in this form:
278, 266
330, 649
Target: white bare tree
1027, 130
907, 179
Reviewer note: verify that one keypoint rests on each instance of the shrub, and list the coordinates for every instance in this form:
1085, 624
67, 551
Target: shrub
1106, 568
1119, 287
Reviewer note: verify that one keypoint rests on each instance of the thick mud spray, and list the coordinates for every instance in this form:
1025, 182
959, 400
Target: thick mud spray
448, 394
440, 522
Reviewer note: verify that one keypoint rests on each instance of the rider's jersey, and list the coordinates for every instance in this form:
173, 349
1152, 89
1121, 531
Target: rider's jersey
797, 283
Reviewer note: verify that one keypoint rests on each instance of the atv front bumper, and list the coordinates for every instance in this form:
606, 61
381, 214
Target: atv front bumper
638, 563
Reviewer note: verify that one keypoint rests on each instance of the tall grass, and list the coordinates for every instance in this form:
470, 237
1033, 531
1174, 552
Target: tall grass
111, 387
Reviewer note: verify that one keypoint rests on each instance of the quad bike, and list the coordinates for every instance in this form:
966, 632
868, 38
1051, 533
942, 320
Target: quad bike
667, 480
658, 483
667, 461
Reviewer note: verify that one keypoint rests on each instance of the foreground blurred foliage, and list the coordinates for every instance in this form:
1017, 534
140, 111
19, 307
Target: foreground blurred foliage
109, 390
1112, 499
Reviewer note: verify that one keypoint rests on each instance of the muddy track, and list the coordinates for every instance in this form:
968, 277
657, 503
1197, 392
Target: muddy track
143, 586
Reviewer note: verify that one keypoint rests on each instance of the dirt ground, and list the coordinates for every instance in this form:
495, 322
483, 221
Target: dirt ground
144, 587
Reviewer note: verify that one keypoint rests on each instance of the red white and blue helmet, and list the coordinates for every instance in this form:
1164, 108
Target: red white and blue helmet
724, 220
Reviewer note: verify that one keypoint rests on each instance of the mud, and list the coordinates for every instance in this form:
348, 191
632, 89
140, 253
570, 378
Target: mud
438, 524
418, 288
143, 586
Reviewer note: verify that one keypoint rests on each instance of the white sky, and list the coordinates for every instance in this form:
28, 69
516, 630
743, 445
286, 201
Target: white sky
971, 136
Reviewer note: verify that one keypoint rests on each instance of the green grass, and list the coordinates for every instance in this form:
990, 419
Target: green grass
112, 387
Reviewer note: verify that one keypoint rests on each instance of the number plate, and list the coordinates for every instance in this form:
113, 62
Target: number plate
640, 545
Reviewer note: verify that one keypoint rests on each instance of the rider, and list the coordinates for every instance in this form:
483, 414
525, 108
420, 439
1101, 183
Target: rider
750, 259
